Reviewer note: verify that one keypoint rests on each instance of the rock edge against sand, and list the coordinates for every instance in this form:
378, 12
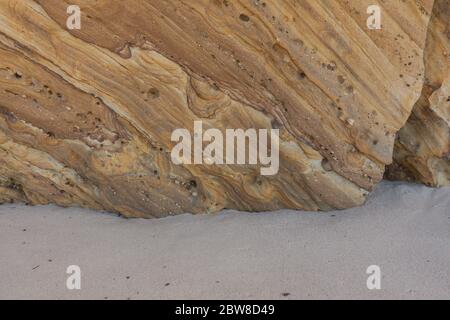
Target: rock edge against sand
86, 116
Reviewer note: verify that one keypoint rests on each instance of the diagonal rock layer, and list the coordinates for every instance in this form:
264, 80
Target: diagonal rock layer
86, 116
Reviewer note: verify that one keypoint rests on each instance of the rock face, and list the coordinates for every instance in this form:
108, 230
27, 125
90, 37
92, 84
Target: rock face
86, 116
422, 149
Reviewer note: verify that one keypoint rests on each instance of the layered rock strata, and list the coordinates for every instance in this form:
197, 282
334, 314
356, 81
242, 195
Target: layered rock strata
86, 116
422, 148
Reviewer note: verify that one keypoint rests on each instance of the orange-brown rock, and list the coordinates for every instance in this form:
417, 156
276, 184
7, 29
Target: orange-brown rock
86, 115
422, 148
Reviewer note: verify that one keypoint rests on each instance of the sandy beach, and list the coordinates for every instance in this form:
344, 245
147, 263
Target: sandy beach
404, 229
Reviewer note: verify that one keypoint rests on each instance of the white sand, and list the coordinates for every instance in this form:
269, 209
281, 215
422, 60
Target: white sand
405, 229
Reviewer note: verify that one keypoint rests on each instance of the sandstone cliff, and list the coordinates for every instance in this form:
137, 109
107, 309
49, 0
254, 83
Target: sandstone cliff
86, 115
422, 149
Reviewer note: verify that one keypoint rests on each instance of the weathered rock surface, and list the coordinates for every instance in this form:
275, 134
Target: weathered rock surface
86, 116
422, 149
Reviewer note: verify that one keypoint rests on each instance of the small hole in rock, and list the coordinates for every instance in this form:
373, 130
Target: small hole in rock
154, 93
244, 17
